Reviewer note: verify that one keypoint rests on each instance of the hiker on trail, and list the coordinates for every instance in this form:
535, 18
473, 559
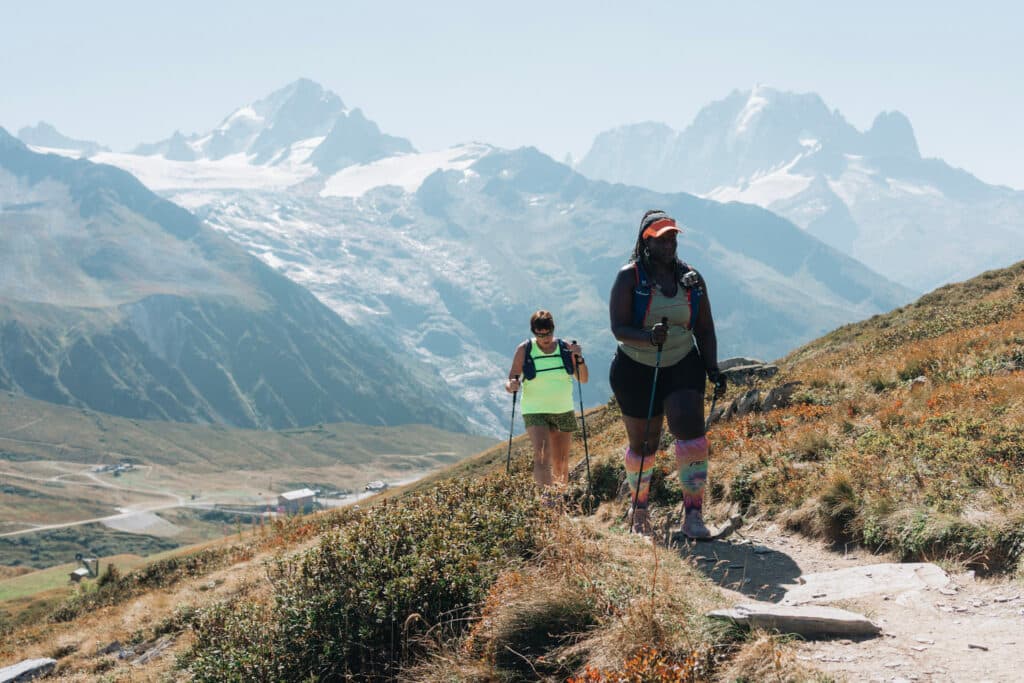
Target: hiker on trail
548, 366
660, 368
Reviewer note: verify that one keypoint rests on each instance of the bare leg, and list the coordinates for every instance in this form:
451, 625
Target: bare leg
542, 473
635, 433
559, 443
684, 410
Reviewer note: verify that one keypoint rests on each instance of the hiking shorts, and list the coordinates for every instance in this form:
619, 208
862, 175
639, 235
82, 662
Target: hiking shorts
631, 382
561, 422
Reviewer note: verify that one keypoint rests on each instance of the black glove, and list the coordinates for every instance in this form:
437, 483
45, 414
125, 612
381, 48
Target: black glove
717, 377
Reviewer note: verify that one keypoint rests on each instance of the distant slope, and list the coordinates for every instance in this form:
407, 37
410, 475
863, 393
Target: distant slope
114, 299
37, 430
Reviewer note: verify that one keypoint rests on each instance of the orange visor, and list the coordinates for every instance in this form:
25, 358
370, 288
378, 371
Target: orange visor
660, 227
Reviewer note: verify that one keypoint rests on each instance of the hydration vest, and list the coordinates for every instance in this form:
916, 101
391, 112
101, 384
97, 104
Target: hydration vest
530, 369
642, 295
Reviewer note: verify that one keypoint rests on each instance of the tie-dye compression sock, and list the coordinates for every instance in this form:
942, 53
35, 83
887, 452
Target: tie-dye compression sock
692, 460
638, 479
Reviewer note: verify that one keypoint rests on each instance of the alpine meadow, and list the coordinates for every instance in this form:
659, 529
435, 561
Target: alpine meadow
539, 343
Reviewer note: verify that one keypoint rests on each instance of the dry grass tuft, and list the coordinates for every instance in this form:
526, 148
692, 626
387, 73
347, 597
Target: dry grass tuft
593, 599
767, 658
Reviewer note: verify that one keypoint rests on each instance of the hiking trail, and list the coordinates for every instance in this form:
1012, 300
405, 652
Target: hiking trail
938, 623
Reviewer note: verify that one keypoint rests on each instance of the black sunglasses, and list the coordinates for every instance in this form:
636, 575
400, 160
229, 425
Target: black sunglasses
544, 333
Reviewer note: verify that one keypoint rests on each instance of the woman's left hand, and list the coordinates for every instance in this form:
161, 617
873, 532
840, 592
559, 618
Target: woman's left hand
576, 349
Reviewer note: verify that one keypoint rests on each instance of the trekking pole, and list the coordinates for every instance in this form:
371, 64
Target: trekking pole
647, 428
711, 413
511, 426
583, 422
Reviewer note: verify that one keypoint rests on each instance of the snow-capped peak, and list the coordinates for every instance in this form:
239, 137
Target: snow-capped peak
301, 117
45, 136
756, 103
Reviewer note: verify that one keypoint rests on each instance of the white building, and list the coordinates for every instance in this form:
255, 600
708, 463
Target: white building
299, 500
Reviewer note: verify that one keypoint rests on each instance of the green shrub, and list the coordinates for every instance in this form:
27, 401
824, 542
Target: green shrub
109, 575
743, 489
838, 507
114, 588
360, 603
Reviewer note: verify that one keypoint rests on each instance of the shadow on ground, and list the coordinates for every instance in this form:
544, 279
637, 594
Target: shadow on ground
744, 567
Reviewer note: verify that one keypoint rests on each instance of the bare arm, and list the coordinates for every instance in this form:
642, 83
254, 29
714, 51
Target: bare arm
513, 383
704, 331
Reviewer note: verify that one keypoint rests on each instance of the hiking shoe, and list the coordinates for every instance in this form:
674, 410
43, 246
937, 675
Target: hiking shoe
693, 525
641, 522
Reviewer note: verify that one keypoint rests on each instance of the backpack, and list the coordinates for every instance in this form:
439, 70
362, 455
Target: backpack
642, 295
530, 368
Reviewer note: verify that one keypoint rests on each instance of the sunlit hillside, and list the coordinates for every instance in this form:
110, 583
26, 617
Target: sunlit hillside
906, 432
903, 434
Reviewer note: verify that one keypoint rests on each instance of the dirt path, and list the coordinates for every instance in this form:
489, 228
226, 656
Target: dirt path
121, 519
967, 630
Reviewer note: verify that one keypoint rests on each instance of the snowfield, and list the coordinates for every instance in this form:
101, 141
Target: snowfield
407, 171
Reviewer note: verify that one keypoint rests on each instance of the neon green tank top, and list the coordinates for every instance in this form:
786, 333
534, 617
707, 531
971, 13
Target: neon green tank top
550, 391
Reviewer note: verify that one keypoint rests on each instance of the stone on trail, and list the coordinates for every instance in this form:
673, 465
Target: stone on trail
780, 396
27, 670
854, 582
737, 361
808, 621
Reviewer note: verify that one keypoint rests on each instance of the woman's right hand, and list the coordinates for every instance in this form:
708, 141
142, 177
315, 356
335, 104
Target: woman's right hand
659, 334
512, 385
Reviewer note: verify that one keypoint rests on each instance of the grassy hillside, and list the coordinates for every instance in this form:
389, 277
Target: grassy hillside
466, 577
907, 431
36, 430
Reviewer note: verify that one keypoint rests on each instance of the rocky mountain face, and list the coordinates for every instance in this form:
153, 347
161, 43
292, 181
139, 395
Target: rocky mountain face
114, 299
869, 194
301, 118
45, 135
444, 255
452, 268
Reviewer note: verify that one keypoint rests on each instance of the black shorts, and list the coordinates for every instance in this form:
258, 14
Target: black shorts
631, 382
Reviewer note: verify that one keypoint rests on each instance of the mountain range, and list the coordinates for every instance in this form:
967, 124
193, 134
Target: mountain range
299, 119
114, 299
446, 254
869, 194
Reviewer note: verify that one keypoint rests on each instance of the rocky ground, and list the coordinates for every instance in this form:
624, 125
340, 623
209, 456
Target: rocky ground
938, 622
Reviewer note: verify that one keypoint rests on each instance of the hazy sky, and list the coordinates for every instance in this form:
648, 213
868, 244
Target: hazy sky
551, 74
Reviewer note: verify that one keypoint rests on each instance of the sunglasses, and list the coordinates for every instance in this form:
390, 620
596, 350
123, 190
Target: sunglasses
543, 333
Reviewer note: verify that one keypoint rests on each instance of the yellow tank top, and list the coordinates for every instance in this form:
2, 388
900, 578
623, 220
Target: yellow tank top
680, 337
550, 391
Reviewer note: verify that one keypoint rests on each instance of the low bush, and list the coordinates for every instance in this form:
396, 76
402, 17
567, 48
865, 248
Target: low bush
366, 599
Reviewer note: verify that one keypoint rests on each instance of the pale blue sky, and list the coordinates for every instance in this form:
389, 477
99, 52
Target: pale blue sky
551, 74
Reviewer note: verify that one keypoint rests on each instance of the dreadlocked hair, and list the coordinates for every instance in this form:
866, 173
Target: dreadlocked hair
639, 254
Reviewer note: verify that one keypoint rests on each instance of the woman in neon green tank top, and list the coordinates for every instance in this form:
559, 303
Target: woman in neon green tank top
547, 397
